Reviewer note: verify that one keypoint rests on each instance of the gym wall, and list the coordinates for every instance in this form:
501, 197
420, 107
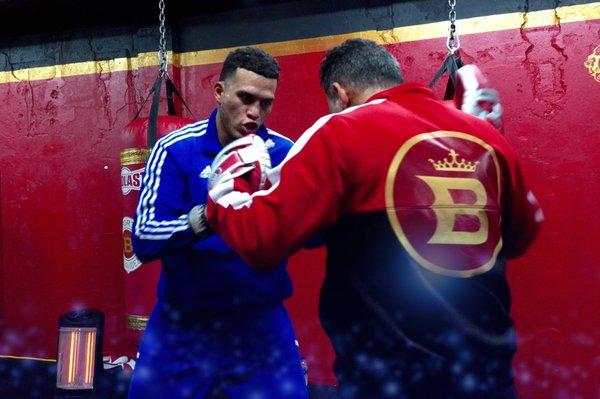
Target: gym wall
68, 91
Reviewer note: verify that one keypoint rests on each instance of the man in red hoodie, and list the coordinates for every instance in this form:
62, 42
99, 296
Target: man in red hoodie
421, 205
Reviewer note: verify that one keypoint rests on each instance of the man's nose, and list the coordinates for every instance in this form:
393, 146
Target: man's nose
253, 111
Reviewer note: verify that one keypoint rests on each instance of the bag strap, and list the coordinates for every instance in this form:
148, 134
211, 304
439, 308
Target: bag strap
153, 116
452, 63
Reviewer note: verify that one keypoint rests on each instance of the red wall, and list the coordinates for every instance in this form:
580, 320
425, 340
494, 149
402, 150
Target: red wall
59, 160
60, 197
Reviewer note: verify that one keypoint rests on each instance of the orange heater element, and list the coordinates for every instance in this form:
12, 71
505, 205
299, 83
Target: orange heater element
79, 350
76, 351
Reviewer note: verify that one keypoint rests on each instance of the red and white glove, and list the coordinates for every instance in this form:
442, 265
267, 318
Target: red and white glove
240, 167
238, 170
474, 95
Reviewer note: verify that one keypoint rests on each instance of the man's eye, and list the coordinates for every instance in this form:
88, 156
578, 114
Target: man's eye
246, 98
266, 103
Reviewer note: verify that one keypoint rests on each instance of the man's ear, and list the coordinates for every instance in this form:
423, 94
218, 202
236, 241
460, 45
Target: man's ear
218, 90
343, 94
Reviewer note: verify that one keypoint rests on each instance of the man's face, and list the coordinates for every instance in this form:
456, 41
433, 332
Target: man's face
245, 99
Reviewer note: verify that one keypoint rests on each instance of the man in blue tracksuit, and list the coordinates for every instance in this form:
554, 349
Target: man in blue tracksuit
219, 328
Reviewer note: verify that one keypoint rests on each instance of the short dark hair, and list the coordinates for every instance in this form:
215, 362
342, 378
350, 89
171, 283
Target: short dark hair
252, 59
360, 64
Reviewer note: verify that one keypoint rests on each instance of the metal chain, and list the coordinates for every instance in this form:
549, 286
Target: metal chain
452, 43
162, 45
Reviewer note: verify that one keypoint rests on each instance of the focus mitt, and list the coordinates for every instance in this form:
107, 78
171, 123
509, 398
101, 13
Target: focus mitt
474, 95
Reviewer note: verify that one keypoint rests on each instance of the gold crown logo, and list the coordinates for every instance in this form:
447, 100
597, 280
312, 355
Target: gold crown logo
454, 165
593, 64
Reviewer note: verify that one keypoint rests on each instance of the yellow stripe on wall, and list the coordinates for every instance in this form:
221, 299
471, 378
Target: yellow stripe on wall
80, 68
435, 30
39, 359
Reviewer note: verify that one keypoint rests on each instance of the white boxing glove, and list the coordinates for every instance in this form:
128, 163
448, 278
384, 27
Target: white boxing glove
238, 170
243, 164
474, 95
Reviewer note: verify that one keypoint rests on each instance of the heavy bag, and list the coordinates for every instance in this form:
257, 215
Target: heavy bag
139, 137
140, 282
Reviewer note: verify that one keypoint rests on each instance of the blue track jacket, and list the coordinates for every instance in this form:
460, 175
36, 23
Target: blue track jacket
198, 274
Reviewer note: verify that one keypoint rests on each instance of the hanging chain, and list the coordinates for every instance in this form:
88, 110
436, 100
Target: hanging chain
453, 43
162, 46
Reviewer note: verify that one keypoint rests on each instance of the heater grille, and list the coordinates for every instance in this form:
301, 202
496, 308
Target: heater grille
76, 354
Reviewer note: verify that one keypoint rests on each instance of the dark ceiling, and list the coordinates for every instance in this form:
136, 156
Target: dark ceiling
24, 17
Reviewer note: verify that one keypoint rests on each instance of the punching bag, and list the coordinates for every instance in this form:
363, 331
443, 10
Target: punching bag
138, 138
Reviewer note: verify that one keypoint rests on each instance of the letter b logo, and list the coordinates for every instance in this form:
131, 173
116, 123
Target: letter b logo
447, 211
443, 202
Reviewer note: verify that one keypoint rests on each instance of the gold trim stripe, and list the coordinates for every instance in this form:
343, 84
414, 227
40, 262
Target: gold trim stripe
435, 30
80, 68
133, 156
28, 358
136, 322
